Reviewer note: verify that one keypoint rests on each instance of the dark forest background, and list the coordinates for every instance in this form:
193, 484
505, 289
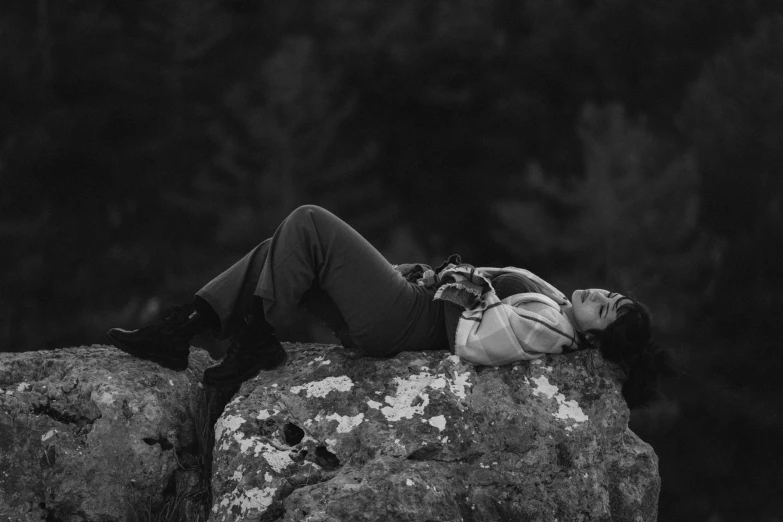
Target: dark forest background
630, 145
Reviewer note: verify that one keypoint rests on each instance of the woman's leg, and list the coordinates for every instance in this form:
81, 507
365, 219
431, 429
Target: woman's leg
230, 294
313, 260
311, 249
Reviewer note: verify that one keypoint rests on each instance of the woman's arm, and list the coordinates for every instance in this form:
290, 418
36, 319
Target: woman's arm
520, 278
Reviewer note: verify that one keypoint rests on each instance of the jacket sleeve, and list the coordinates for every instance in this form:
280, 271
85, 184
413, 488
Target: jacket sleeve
546, 329
543, 287
411, 272
462, 285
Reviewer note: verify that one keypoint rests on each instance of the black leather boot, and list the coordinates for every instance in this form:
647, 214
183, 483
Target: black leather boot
165, 342
253, 348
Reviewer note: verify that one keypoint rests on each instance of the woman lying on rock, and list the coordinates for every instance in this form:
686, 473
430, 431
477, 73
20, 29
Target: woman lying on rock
487, 316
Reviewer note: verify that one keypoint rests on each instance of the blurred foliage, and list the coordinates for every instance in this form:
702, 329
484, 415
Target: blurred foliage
629, 223
732, 117
145, 146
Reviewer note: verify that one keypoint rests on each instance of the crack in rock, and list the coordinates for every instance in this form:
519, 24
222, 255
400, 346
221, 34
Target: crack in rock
165, 445
66, 417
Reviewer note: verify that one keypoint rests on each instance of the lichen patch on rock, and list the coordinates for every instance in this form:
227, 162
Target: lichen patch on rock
277, 459
543, 387
345, 423
323, 387
567, 409
265, 414
237, 504
460, 384
410, 398
227, 424
438, 421
238, 473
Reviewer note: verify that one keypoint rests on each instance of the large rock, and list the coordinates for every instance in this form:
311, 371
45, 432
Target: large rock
88, 433
425, 437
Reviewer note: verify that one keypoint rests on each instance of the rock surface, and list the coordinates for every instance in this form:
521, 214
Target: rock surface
85, 432
333, 437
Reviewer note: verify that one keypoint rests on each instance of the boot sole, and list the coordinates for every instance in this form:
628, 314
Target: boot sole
177, 364
240, 378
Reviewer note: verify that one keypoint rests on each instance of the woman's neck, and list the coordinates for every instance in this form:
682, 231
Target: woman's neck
568, 311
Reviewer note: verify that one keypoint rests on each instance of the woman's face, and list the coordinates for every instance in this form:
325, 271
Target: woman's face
595, 309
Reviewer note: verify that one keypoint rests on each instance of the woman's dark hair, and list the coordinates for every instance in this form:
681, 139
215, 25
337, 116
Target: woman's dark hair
628, 342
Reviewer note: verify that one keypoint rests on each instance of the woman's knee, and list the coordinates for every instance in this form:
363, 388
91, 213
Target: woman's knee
307, 214
305, 210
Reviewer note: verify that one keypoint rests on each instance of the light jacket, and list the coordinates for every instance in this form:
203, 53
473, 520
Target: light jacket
494, 332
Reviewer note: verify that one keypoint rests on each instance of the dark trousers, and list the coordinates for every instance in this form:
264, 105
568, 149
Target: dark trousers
317, 261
